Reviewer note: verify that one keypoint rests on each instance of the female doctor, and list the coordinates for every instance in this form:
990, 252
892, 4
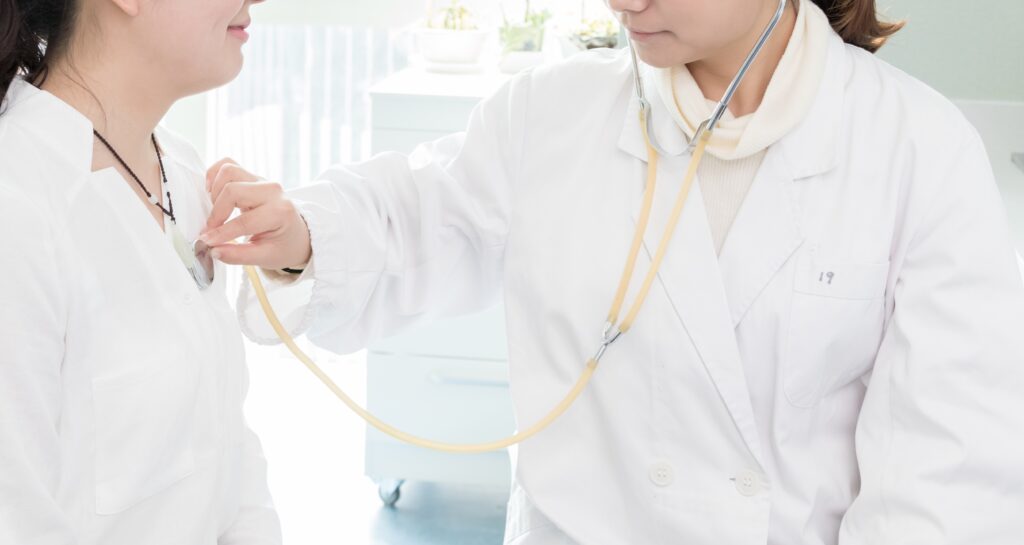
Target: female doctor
832, 351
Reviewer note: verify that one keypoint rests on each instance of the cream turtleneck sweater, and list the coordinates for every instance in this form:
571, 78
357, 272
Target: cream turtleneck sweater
739, 145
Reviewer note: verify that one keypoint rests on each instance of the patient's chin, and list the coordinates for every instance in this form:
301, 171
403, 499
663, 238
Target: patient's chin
217, 75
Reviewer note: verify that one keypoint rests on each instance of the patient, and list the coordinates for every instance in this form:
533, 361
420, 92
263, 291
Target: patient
122, 373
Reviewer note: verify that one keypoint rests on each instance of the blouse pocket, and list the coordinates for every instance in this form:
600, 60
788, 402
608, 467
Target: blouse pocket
144, 434
835, 326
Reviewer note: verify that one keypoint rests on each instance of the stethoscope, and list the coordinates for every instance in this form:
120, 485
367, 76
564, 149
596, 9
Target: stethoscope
613, 327
723, 105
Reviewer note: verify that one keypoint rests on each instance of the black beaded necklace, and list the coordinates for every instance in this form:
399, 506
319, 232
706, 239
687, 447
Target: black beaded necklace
169, 211
195, 255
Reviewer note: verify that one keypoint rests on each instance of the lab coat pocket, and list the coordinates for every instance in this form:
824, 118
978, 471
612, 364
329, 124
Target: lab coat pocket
835, 326
144, 434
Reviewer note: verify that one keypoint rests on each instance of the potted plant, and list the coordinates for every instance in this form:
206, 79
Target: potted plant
451, 40
523, 41
591, 34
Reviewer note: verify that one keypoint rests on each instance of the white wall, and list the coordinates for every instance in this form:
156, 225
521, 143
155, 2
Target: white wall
967, 49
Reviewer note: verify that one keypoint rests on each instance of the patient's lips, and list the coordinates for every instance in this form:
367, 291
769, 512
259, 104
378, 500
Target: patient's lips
239, 31
642, 36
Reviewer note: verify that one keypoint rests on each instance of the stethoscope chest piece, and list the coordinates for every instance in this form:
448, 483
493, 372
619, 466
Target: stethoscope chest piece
195, 256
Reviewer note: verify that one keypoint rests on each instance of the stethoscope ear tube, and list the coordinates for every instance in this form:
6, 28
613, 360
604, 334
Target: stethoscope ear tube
711, 123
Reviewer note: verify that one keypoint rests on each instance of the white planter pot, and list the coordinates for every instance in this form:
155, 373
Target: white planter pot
453, 48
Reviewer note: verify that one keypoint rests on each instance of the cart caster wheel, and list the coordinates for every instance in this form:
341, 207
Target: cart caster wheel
390, 491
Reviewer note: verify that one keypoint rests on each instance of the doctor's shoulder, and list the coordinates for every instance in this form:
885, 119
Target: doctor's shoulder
589, 83
585, 73
887, 103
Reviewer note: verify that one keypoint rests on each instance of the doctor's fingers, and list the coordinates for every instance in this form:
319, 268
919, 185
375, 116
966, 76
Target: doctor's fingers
244, 196
226, 174
261, 220
260, 254
273, 246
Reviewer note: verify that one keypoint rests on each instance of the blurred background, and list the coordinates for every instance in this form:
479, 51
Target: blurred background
329, 81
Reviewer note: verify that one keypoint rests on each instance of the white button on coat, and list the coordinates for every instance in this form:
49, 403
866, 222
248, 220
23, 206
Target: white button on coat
662, 474
748, 483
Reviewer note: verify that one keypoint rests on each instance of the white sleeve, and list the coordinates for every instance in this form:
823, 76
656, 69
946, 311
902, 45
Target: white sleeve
398, 240
33, 318
940, 439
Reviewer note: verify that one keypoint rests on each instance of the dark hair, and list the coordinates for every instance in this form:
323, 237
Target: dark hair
857, 22
32, 34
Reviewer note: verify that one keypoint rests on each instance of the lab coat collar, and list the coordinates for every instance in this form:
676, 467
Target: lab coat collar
59, 126
763, 237
767, 232
811, 148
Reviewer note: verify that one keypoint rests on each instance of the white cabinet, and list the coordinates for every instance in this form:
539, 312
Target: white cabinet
414, 106
449, 380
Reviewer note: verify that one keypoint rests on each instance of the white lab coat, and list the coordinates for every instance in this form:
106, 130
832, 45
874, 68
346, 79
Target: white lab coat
850, 370
121, 384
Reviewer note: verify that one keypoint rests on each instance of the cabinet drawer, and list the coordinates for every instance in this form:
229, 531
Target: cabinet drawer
479, 336
444, 399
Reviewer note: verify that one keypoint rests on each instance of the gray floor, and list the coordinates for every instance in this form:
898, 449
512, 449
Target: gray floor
429, 514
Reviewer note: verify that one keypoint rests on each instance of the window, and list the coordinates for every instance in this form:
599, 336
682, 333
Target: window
300, 104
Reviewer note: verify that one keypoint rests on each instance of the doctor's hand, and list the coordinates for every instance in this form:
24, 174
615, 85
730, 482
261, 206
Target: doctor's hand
277, 236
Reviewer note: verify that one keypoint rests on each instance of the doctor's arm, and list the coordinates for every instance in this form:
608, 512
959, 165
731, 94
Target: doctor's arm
940, 439
32, 326
396, 239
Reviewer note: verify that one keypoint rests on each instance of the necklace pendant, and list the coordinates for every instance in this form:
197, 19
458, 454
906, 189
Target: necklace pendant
196, 257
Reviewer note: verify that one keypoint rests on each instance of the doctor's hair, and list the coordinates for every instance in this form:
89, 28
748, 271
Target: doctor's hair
857, 22
32, 34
